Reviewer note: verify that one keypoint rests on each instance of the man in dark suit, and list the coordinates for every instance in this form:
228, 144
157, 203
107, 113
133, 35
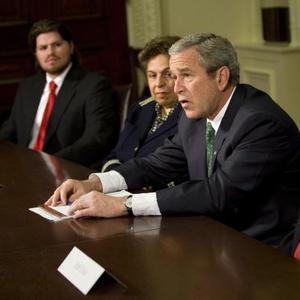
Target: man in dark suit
234, 174
82, 124
291, 242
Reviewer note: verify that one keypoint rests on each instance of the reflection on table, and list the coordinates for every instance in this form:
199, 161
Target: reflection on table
183, 257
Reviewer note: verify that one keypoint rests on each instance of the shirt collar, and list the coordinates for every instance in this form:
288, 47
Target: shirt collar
60, 78
218, 119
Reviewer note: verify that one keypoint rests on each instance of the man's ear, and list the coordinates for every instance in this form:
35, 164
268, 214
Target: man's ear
72, 47
222, 77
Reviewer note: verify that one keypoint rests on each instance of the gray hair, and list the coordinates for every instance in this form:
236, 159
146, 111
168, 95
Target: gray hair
214, 52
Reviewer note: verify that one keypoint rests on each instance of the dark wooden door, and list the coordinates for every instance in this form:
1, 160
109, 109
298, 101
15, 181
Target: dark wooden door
99, 30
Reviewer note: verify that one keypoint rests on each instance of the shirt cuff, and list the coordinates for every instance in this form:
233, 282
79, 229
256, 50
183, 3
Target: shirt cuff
145, 204
111, 181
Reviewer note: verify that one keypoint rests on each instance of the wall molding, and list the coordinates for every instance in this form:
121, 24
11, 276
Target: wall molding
144, 21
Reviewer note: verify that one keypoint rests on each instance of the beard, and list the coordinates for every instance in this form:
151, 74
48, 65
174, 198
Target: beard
55, 70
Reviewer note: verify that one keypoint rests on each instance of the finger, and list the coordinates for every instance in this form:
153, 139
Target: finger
49, 201
63, 195
53, 200
63, 191
86, 212
56, 197
77, 205
70, 201
74, 197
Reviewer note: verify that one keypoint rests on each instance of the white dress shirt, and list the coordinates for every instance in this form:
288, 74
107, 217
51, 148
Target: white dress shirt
43, 102
145, 204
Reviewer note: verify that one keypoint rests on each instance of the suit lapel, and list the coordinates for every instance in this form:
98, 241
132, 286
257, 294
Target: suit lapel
147, 118
65, 95
193, 139
201, 149
224, 129
32, 104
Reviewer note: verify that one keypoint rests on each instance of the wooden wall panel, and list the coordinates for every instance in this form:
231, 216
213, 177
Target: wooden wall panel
15, 68
91, 33
81, 7
13, 10
14, 38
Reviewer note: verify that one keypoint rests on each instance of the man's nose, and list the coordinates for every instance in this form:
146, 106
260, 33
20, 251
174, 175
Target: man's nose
51, 49
178, 86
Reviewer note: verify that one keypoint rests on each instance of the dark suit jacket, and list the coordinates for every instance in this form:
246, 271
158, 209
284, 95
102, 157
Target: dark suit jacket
252, 148
134, 140
83, 126
296, 235
291, 185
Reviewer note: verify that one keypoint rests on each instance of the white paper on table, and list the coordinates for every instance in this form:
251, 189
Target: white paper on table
64, 209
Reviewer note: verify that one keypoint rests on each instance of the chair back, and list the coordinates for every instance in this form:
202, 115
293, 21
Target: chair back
124, 92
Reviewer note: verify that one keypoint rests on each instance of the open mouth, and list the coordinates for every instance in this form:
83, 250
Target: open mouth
184, 103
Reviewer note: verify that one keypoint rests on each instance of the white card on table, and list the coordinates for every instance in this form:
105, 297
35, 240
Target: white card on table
80, 270
52, 213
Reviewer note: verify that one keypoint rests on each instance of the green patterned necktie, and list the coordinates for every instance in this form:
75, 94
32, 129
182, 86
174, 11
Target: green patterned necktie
210, 137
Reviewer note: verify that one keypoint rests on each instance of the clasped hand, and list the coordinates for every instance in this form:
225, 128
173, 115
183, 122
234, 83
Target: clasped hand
87, 199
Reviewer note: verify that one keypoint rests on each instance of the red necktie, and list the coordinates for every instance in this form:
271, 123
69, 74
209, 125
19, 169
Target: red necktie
39, 143
297, 252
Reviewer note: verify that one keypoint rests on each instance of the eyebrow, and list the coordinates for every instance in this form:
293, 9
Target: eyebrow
181, 70
184, 69
53, 42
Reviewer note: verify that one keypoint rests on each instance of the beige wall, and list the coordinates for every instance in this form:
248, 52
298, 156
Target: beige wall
240, 22
223, 17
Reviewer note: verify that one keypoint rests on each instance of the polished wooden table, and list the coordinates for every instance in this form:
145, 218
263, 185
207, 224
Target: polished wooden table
188, 257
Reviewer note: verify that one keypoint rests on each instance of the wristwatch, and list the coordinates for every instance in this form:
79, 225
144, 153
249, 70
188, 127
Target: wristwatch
128, 205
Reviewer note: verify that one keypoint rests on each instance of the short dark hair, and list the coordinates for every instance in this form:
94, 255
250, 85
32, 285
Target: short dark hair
156, 46
50, 25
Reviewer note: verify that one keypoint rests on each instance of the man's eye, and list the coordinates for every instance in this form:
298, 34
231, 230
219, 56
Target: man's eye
169, 75
187, 76
151, 76
174, 77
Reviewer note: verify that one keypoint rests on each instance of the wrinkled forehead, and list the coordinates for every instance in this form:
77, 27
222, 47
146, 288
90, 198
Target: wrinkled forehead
184, 60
